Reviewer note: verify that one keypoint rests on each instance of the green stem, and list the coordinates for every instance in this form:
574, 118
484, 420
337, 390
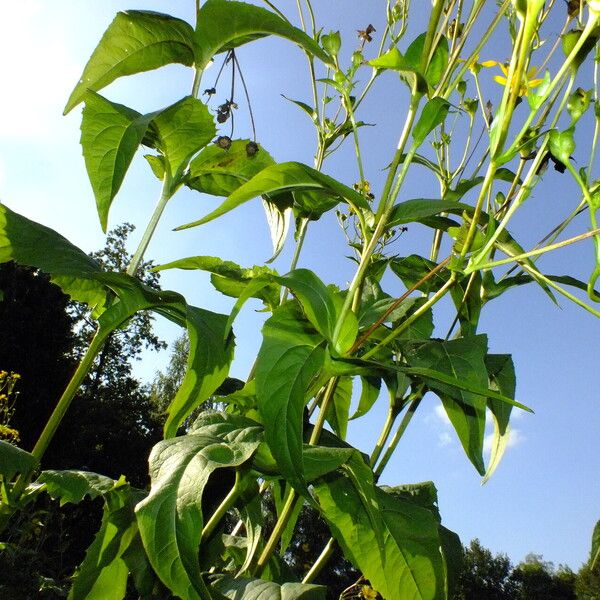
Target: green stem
318, 565
165, 196
225, 505
535, 252
383, 437
86, 364
415, 399
282, 521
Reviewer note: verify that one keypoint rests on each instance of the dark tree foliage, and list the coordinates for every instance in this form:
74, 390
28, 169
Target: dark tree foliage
485, 576
33, 315
536, 578
587, 585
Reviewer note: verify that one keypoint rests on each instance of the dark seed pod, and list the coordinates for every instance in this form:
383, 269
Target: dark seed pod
251, 148
224, 142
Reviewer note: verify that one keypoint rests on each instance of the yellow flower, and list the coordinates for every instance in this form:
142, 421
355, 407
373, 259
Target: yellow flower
526, 84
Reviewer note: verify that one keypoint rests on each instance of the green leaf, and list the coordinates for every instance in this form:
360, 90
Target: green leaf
413, 268
211, 353
439, 59
462, 359
29, 243
229, 278
409, 72
289, 361
134, 42
465, 185
501, 373
420, 208
259, 589
453, 553
183, 129
278, 220
320, 460
433, 114
595, 554
13, 460
103, 573
339, 408
409, 564
562, 144
110, 136
224, 25
220, 172
170, 519
282, 177
73, 486
371, 386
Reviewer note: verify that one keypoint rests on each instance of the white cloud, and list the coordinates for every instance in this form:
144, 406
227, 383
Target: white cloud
444, 439
440, 413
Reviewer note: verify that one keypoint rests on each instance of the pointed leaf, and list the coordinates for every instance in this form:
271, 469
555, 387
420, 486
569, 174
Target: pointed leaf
183, 129
371, 387
278, 220
462, 359
421, 208
110, 136
408, 72
280, 178
501, 373
409, 565
289, 361
14, 460
433, 114
170, 519
211, 353
320, 460
223, 25
339, 408
134, 42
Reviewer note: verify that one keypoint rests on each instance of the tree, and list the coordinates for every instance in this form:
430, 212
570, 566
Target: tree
537, 578
485, 576
587, 586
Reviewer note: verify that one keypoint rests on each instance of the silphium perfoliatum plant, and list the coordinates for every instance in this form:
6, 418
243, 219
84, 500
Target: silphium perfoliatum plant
327, 355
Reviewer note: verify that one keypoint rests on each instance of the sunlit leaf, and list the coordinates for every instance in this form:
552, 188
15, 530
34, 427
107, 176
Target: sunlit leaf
103, 573
183, 129
224, 25
339, 408
170, 519
110, 136
408, 72
220, 172
409, 564
433, 114
462, 359
73, 486
282, 177
370, 389
501, 373
134, 42
290, 359
418, 209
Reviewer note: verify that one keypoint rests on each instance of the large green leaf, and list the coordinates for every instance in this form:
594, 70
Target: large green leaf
110, 136
462, 359
223, 25
211, 353
14, 460
320, 460
183, 129
29, 243
409, 563
501, 373
284, 177
433, 114
170, 519
73, 486
259, 589
289, 361
103, 573
220, 172
408, 71
134, 42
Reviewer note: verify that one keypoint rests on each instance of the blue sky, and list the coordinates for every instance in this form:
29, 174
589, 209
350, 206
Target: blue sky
545, 496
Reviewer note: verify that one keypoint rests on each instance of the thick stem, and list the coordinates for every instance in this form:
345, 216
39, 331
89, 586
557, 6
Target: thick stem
383, 437
320, 563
